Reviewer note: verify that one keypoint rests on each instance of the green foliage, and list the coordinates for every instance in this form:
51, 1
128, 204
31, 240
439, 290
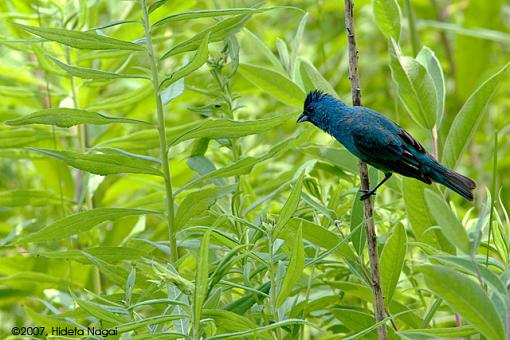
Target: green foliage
153, 178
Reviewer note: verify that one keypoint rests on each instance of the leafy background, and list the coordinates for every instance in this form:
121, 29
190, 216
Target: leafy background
263, 212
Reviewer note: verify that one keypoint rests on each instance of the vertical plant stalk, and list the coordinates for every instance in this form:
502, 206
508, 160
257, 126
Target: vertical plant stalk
442, 16
415, 41
163, 145
435, 142
375, 275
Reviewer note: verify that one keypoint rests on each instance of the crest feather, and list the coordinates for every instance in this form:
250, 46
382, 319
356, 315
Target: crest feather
314, 96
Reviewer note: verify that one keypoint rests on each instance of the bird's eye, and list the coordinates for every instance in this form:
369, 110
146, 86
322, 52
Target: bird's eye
309, 109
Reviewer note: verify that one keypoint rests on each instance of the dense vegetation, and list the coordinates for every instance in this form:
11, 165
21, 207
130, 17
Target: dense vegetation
153, 178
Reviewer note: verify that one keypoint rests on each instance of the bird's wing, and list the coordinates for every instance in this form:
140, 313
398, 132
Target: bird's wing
377, 143
384, 148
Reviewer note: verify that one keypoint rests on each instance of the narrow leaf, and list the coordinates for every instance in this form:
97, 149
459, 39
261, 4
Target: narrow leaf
217, 32
82, 40
415, 87
451, 227
79, 223
468, 119
315, 78
387, 17
199, 59
294, 269
105, 163
392, 261
201, 280
290, 205
65, 117
207, 14
428, 59
226, 128
274, 84
465, 297
90, 73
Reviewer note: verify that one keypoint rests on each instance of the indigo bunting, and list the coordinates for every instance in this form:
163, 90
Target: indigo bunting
380, 142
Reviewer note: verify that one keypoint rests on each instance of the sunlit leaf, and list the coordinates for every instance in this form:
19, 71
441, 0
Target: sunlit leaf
79, 39
90, 73
451, 227
392, 261
274, 84
294, 269
387, 17
468, 119
104, 163
465, 297
415, 87
79, 223
65, 117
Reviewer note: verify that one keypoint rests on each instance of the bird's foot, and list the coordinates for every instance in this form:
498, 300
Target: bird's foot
366, 194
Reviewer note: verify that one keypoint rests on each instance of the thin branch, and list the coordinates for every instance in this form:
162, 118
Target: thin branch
375, 276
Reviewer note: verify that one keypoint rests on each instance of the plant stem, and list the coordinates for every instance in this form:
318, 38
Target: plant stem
272, 278
415, 41
442, 16
375, 276
169, 198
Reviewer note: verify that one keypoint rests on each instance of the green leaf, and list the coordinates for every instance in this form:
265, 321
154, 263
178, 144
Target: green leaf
294, 269
15, 138
274, 84
465, 297
338, 157
439, 333
34, 198
173, 91
290, 205
79, 223
420, 217
199, 59
130, 284
90, 73
98, 311
392, 261
451, 227
154, 320
82, 40
428, 59
313, 77
226, 128
387, 17
468, 119
257, 331
207, 14
319, 236
359, 236
217, 32
107, 254
107, 162
229, 321
259, 46
196, 203
64, 117
469, 266
201, 280
415, 87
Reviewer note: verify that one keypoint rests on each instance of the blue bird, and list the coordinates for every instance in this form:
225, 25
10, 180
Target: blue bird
380, 142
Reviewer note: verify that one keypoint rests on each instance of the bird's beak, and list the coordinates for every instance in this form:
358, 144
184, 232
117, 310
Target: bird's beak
302, 118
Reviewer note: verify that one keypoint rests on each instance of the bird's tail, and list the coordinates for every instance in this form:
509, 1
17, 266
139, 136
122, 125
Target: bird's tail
462, 185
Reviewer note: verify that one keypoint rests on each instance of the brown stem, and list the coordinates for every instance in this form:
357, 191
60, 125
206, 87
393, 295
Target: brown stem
375, 276
441, 16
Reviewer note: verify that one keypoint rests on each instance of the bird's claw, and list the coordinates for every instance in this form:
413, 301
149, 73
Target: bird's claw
366, 194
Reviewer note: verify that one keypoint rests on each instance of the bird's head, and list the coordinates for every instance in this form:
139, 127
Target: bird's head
318, 108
